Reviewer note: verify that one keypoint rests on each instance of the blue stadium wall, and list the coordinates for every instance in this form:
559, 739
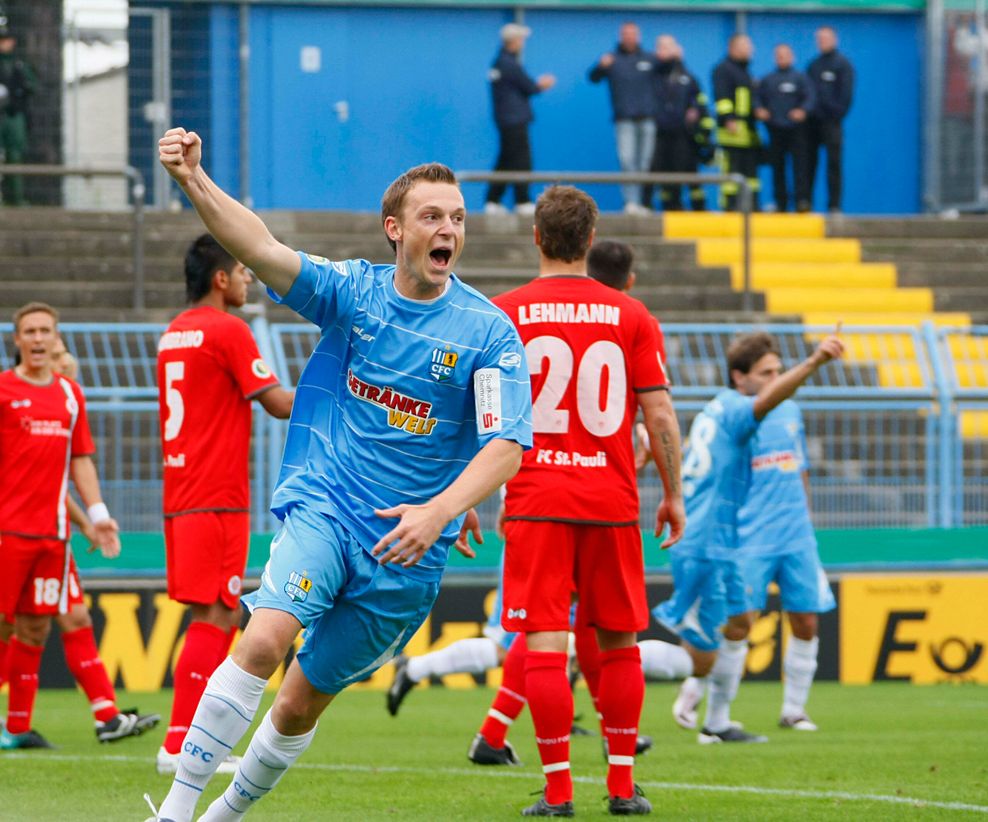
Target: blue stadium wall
414, 81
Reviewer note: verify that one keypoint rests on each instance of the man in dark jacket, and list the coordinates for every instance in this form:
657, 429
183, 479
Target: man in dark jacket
682, 115
737, 133
17, 84
782, 101
832, 76
629, 73
511, 88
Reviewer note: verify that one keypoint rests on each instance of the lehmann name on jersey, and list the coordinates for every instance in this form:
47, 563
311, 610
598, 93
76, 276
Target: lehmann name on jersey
599, 313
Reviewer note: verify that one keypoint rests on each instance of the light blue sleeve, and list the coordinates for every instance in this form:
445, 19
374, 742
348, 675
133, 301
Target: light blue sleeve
323, 290
804, 462
503, 391
738, 420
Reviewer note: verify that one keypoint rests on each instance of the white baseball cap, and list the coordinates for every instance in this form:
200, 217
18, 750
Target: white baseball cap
512, 31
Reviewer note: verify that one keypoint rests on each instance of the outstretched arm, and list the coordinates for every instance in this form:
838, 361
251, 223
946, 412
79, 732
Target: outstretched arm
785, 385
238, 229
419, 526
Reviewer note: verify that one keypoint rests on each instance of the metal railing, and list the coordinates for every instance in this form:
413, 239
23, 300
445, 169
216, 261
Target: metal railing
138, 193
745, 195
897, 432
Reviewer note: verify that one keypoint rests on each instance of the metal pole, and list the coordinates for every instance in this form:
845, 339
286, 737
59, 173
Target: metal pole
933, 115
746, 205
244, 78
137, 241
980, 86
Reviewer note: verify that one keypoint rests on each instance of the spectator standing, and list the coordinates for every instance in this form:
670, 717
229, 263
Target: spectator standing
680, 118
17, 84
737, 134
511, 88
630, 75
783, 100
832, 76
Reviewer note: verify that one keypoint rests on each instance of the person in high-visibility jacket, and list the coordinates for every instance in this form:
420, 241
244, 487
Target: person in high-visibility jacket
737, 134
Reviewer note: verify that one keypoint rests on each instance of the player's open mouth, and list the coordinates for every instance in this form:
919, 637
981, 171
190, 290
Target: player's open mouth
440, 257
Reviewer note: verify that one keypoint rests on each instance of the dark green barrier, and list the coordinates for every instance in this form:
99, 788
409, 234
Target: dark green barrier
901, 549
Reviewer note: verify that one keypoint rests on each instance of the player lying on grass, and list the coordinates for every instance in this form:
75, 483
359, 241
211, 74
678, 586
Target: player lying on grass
413, 407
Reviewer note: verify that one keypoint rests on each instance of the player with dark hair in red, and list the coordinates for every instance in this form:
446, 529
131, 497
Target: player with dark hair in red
44, 440
209, 371
593, 357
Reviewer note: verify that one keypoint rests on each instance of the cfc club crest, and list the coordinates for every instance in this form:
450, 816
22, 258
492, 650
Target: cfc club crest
298, 586
443, 363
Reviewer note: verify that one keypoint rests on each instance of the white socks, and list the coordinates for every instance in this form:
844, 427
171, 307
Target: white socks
724, 679
269, 755
224, 714
799, 666
466, 656
663, 660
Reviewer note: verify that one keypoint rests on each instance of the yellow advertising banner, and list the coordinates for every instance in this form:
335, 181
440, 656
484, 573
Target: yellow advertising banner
913, 628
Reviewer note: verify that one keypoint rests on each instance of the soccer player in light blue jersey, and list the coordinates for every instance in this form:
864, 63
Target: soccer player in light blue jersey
709, 597
778, 544
414, 406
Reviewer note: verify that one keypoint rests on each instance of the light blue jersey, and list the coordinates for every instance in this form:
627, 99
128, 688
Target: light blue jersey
775, 517
716, 470
397, 397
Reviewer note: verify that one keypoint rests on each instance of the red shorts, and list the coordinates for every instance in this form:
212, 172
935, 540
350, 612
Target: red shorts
35, 573
207, 556
546, 564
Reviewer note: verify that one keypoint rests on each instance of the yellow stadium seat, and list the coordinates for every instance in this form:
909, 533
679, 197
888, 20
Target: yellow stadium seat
815, 275
683, 225
728, 251
797, 300
864, 317
974, 425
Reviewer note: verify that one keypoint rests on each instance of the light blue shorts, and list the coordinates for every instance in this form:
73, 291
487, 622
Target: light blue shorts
705, 593
358, 614
800, 576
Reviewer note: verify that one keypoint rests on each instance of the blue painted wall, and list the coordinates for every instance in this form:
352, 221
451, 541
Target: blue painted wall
414, 81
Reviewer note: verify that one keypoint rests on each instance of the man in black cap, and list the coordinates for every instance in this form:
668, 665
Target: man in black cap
511, 88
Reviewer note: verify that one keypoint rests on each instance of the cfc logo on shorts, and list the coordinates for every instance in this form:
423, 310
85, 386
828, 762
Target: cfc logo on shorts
234, 585
298, 586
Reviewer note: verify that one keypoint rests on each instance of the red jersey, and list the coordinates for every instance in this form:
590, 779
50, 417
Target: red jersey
590, 348
209, 369
41, 428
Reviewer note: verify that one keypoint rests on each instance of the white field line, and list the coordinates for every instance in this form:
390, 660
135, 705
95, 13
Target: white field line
847, 796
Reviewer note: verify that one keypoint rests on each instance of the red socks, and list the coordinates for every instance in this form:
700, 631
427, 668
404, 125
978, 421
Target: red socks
510, 698
588, 657
3, 661
87, 668
23, 663
622, 692
551, 703
204, 649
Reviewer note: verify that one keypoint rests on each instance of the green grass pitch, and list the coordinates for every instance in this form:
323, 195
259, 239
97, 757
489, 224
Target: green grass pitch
888, 751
